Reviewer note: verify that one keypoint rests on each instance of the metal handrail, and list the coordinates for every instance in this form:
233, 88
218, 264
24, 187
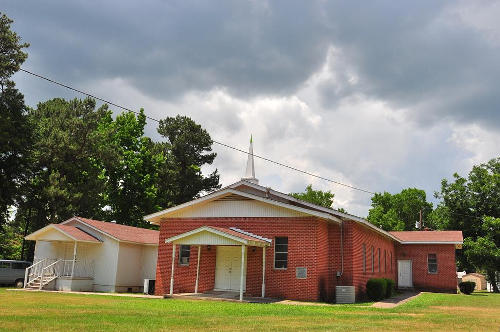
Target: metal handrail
53, 266
33, 268
59, 268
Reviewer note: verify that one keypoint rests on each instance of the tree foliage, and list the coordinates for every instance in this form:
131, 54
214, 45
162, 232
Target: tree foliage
472, 205
14, 129
318, 197
186, 149
132, 171
399, 212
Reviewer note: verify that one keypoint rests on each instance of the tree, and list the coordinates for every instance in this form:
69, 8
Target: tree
466, 204
66, 175
399, 212
132, 176
484, 252
187, 148
14, 130
318, 197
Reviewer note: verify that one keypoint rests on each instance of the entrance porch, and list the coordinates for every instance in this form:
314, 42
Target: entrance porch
231, 257
63, 259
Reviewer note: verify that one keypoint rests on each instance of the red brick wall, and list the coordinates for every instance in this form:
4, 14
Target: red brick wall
303, 251
446, 278
355, 236
313, 243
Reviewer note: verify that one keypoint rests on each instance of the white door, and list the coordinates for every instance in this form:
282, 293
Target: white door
404, 274
228, 268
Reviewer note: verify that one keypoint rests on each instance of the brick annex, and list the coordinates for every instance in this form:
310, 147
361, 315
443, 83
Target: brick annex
260, 242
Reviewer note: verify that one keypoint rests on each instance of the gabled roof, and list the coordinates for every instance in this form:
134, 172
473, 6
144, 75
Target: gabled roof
121, 232
76, 233
209, 235
70, 233
429, 237
255, 191
155, 217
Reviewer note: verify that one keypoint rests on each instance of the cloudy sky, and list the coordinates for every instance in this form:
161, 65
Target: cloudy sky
381, 95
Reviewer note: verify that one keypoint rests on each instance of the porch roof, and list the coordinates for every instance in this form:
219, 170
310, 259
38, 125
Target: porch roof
65, 233
209, 235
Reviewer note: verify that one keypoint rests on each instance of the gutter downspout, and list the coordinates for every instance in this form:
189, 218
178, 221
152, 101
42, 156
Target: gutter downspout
342, 247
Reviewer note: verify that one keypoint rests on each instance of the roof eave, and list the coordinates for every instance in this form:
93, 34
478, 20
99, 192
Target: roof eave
228, 191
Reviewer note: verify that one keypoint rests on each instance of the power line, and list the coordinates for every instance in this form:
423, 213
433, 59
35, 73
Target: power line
217, 142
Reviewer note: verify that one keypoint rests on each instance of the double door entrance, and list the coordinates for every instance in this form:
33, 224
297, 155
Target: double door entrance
228, 268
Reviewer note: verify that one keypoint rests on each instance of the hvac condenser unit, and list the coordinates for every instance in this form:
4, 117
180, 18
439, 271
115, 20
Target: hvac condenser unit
345, 294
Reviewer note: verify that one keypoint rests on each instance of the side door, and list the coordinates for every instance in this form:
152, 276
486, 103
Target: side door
405, 274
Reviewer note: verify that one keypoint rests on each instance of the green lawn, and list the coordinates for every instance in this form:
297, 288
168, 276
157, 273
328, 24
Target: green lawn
64, 312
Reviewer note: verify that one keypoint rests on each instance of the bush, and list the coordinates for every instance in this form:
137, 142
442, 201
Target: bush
390, 287
467, 287
376, 288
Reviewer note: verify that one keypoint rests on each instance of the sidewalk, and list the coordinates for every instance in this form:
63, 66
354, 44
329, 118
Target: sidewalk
396, 300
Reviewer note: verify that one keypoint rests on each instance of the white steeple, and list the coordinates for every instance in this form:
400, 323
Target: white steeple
250, 171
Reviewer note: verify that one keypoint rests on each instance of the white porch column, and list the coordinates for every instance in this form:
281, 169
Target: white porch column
74, 260
263, 271
197, 270
172, 273
242, 277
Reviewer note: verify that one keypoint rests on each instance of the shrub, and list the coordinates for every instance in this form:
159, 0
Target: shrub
467, 287
376, 288
390, 287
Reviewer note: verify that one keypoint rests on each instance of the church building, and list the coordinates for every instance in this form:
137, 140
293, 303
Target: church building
258, 242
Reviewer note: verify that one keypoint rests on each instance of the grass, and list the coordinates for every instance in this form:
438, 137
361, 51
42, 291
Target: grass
72, 312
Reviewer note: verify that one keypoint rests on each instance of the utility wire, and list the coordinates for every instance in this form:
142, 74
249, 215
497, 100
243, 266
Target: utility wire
217, 142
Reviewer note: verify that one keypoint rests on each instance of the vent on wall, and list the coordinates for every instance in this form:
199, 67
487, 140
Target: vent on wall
301, 272
233, 197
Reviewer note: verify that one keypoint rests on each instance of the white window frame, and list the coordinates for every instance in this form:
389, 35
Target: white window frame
373, 259
364, 258
280, 252
437, 265
181, 263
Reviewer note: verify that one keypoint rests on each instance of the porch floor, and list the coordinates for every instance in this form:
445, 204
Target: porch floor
222, 296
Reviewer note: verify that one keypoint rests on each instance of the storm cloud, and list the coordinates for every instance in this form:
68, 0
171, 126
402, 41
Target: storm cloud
381, 95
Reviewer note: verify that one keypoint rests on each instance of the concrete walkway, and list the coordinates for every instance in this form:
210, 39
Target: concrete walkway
396, 300
144, 296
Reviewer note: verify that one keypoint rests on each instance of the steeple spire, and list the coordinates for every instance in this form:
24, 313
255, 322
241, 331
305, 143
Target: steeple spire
250, 171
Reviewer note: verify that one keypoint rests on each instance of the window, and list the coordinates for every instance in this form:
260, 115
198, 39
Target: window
184, 254
4, 265
391, 261
280, 253
432, 263
364, 258
378, 253
19, 266
373, 259
385, 260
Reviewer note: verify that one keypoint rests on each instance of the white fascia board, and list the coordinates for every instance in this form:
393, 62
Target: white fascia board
206, 229
431, 242
54, 227
94, 228
372, 226
217, 232
225, 192
46, 228
107, 234
326, 210
206, 198
284, 205
35, 233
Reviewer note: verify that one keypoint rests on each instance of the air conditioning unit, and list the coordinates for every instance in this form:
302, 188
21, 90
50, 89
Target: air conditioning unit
149, 286
345, 294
